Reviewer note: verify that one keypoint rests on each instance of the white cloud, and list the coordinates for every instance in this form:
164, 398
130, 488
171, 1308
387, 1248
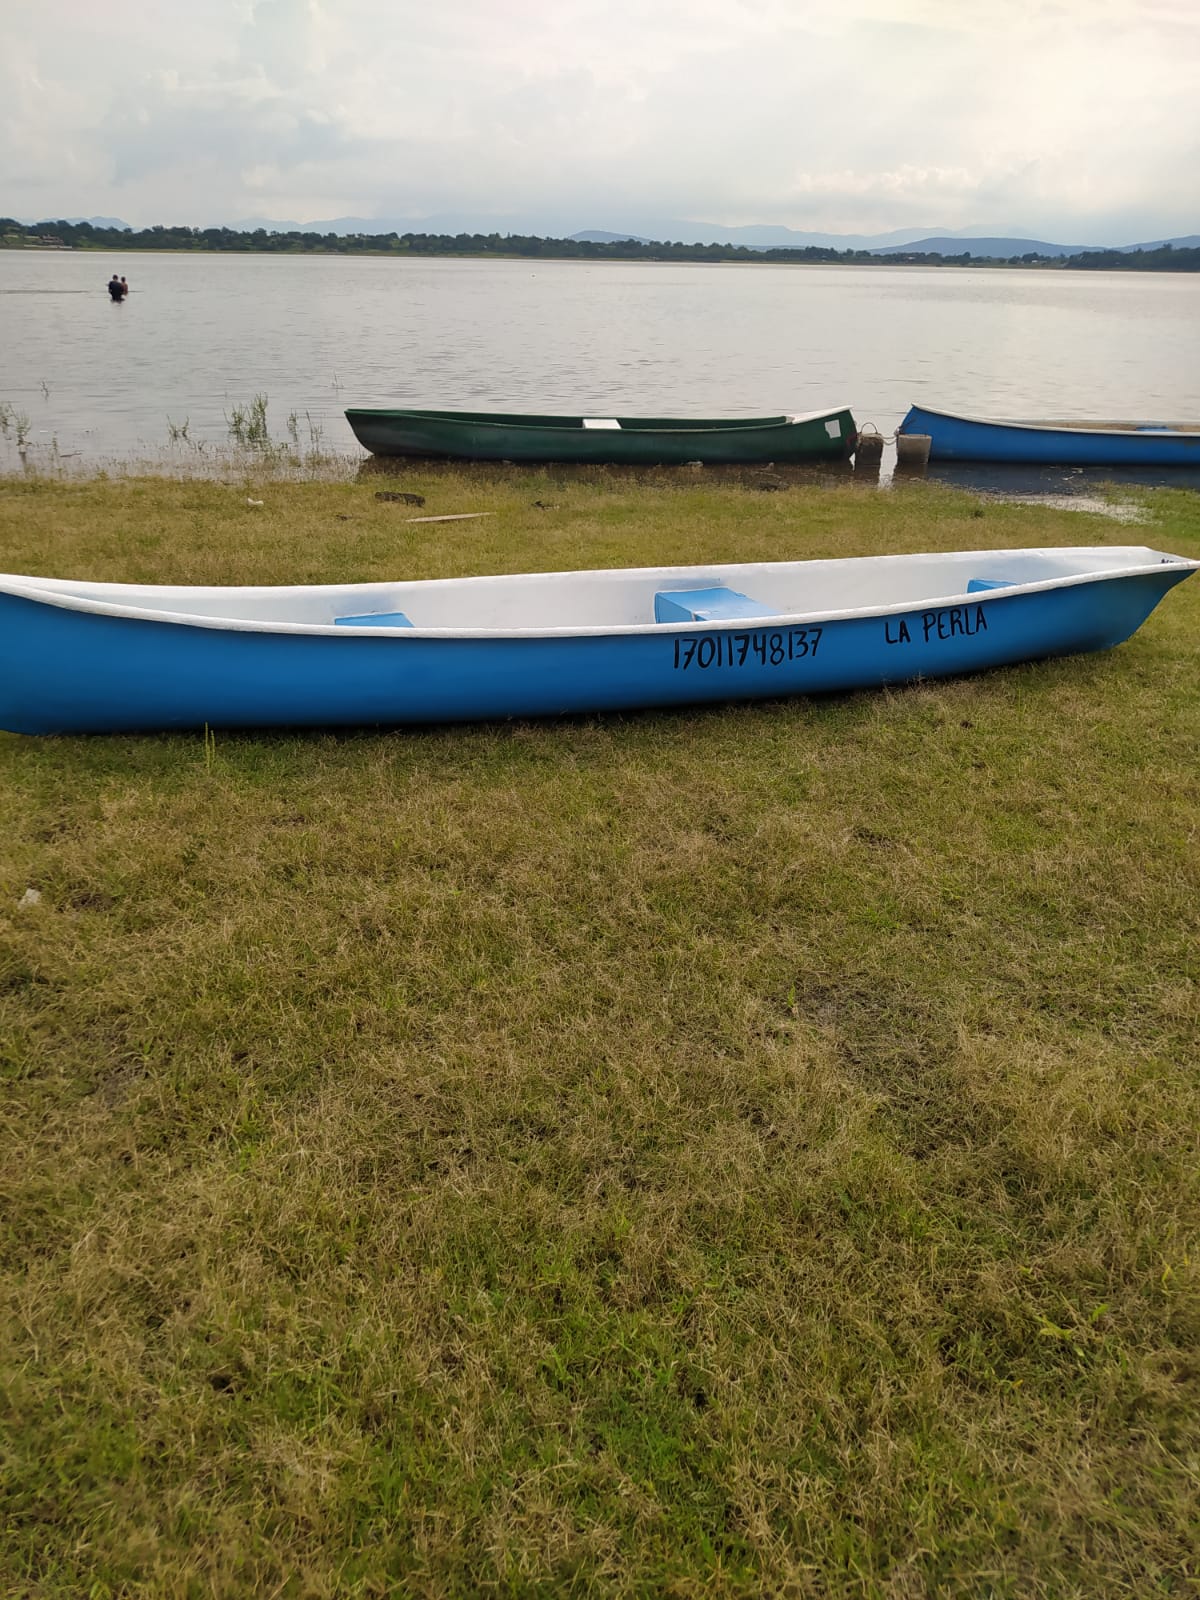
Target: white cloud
1060, 116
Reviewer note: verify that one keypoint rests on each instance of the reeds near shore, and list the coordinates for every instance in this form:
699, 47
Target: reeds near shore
739, 1151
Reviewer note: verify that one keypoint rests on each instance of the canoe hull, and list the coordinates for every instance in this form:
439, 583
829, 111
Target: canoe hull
976, 439
638, 441
83, 671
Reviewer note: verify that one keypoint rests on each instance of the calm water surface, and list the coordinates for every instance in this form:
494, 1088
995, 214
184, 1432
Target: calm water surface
203, 334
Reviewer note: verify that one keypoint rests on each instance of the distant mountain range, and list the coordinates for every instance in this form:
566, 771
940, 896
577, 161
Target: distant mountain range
980, 241
759, 236
954, 245
943, 245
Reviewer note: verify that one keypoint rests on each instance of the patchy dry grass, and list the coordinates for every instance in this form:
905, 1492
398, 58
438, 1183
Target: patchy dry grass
737, 1151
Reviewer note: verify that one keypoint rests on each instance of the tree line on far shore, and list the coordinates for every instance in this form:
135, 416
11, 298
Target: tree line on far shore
86, 236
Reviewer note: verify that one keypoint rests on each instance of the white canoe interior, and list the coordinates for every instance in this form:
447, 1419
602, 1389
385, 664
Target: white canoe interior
618, 600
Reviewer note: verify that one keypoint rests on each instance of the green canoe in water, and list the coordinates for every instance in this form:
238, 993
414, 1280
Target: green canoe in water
634, 441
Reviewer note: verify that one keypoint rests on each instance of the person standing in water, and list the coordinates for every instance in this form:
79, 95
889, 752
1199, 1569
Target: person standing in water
116, 287
124, 288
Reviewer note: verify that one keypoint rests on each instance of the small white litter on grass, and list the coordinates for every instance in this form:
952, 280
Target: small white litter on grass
31, 897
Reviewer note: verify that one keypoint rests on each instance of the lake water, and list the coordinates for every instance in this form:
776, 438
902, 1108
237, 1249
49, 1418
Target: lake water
201, 335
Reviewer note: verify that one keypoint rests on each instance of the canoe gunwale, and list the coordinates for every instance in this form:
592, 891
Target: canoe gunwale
23, 589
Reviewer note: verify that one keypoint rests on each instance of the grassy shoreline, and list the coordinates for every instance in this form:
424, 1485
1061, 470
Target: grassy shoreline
739, 1151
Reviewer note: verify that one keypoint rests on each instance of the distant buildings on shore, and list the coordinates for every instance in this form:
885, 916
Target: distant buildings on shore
33, 241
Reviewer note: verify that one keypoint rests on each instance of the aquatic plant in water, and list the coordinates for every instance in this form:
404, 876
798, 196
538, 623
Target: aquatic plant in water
13, 420
248, 424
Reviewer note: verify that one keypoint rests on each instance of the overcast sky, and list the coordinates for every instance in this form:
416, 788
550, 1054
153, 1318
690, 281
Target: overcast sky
1074, 120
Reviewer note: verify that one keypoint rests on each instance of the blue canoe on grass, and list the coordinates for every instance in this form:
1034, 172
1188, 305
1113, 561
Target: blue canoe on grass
98, 657
1056, 443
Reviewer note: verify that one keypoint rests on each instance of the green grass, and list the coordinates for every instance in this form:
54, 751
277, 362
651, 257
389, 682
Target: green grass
741, 1151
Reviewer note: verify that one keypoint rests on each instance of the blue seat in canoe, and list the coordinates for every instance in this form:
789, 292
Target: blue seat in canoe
374, 619
977, 585
706, 605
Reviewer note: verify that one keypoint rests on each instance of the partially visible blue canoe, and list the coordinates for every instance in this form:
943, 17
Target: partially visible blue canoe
81, 657
1055, 444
